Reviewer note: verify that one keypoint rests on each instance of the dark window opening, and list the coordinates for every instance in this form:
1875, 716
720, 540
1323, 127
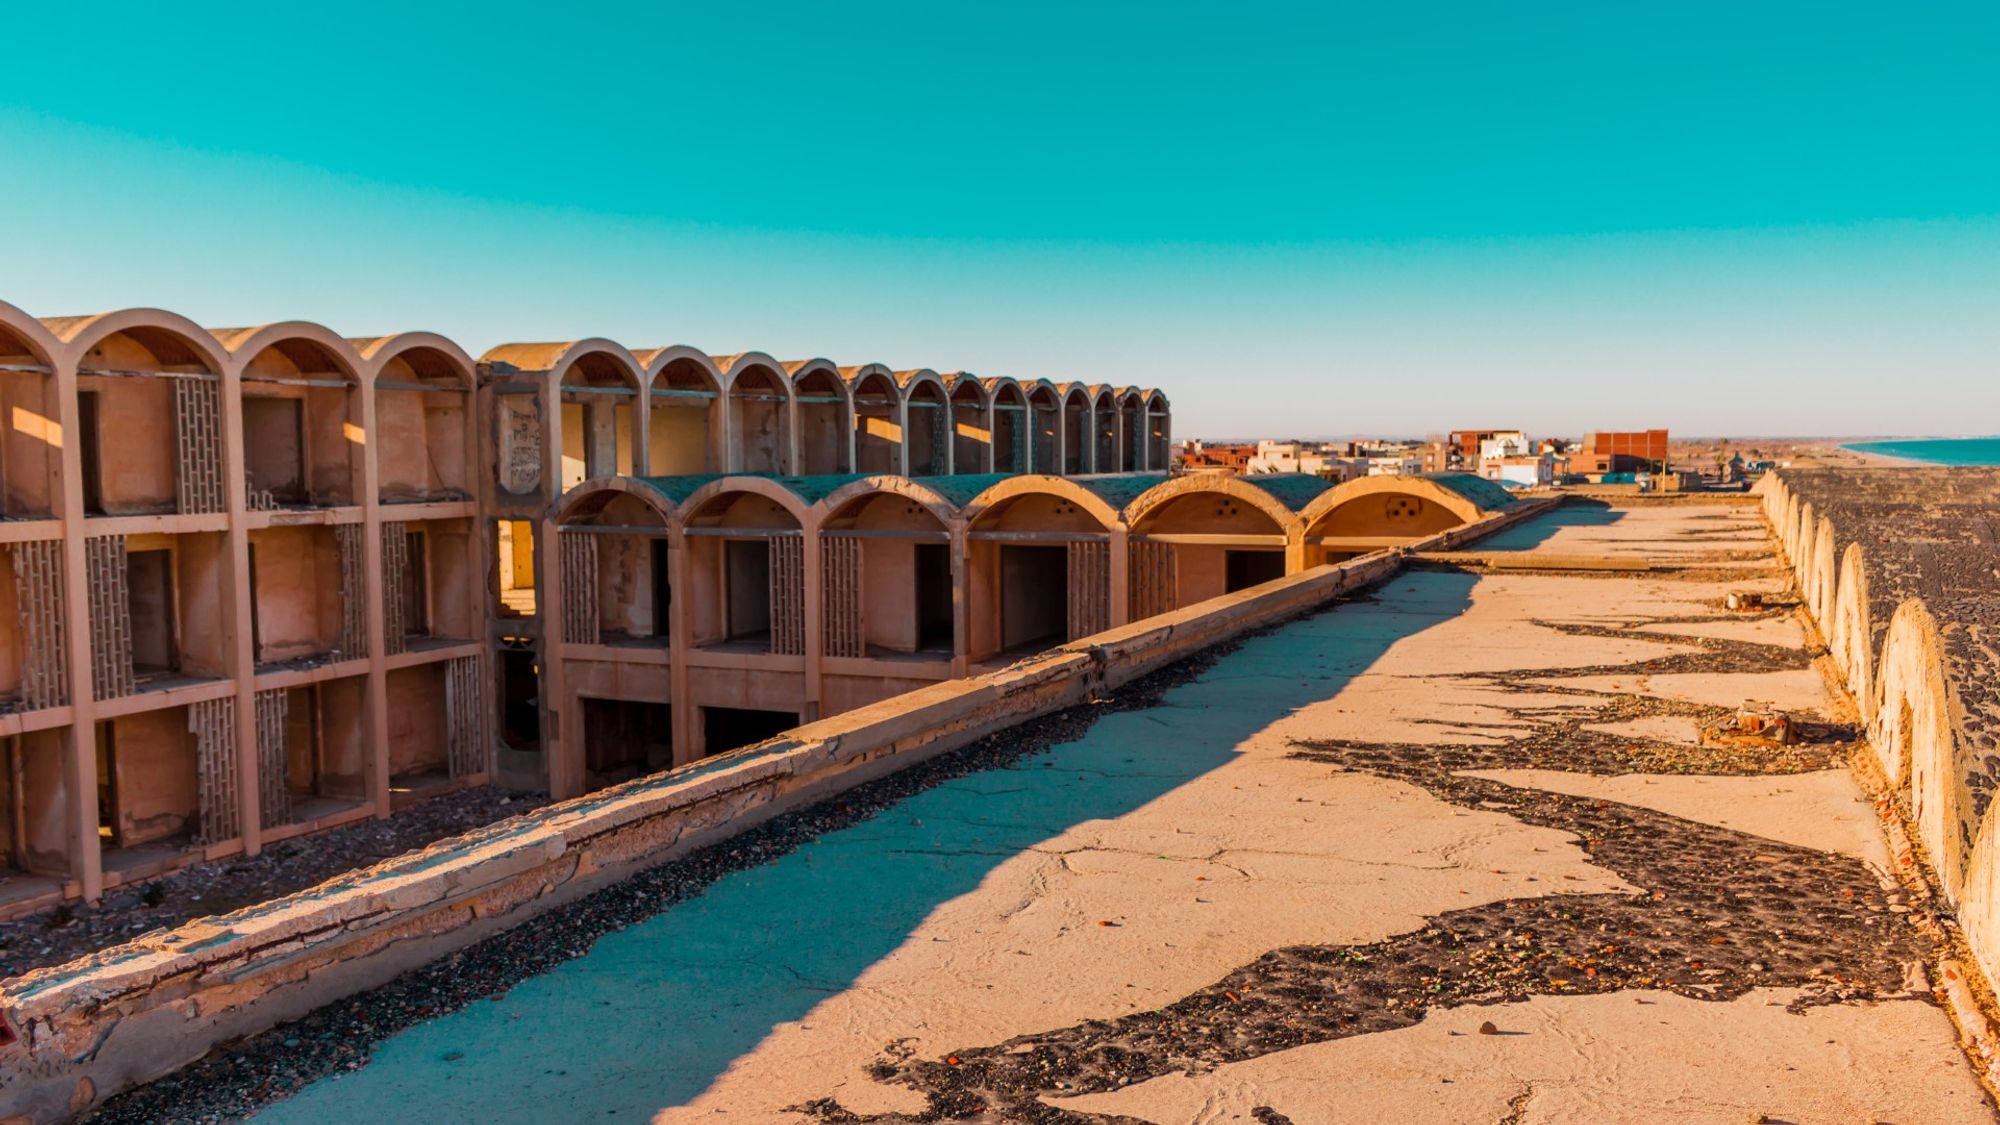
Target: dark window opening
663, 589
1244, 569
149, 585
1034, 596
727, 728
256, 614
274, 449
521, 700
748, 582
623, 739
934, 597
304, 761
90, 447
107, 784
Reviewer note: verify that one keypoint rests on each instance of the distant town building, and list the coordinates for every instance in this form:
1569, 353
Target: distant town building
1636, 451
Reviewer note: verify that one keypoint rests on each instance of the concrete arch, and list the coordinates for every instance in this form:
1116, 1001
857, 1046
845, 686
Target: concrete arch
1157, 497
1802, 533
80, 334
1428, 488
825, 429
696, 505
829, 506
1158, 413
1913, 738
1820, 576
34, 336
760, 411
682, 389
1078, 443
246, 345
560, 359
926, 404
443, 355
1012, 425
971, 424
1131, 430
995, 499
1848, 640
878, 418
1376, 513
587, 500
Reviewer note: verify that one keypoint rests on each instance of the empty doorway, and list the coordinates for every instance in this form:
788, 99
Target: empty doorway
1034, 597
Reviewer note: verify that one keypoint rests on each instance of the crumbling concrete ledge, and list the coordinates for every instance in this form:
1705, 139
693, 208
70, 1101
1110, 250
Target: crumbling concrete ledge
78, 1033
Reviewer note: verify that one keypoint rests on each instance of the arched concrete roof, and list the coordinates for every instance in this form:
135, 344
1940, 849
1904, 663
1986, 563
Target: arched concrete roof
379, 351
778, 490
915, 377
591, 496
557, 359
962, 381
1070, 391
653, 361
1464, 495
1130, 396
802, 369
1100, 392
1033, 387
858, 378
983, 492
32, 332
246, 344
82, 333
886, 484
1282, 496
1157, 397
734, 366
999, 383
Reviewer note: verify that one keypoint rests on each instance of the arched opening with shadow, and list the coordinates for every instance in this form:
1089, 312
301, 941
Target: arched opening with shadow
424, 447
971, 427
617, 598
1038, 566
825, 434
600, 394
1104, 420
887, 573
760, 415
149, 416
1077, 428
926, 424
1159, 431
878, 419
1377, 513
1044, 429
303, 445
1131, 431
683, 413
31, 437
1008, 409
745, 576
1196, 538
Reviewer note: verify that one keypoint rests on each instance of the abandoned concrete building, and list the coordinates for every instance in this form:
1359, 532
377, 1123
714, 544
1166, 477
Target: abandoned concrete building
324, 551
268, 581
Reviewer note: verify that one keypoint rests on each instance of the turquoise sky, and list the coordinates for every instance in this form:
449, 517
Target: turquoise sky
1308, 219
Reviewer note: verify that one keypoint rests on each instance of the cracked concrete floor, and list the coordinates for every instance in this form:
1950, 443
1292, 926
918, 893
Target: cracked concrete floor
1112, 876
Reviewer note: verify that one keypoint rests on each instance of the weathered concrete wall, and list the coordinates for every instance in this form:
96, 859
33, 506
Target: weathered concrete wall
1901, 571
134, 1012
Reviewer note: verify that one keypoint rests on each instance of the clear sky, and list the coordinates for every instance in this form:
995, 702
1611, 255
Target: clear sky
1297, 218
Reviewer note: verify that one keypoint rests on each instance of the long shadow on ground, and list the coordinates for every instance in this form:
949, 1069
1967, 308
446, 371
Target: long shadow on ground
763, 928
1720, 912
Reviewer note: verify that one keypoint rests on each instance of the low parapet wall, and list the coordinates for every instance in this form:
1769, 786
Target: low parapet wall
1898, 569
83, 1031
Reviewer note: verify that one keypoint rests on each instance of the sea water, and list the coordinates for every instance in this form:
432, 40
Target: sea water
1961, 451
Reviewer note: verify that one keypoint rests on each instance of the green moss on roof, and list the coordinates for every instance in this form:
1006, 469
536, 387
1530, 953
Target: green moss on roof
1485, 493
1293, 490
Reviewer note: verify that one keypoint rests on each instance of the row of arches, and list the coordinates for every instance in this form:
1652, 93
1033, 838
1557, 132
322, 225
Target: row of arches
156, 397
795, 598
678, 411
1894, 567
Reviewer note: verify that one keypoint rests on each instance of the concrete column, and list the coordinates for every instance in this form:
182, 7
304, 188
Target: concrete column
237, 614
79, 742
375, 700
814, 601
794, 461
961, 600
1121, 576
902, 468
680, 638
642, 430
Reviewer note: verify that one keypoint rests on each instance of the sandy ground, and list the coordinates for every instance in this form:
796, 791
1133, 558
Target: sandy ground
1100, 928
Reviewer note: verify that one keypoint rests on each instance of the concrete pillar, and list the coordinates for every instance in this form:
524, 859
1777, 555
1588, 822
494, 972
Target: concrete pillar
237, 611
1121, 576
375, 700
680, 637
961, 600
814, 601
79, 741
